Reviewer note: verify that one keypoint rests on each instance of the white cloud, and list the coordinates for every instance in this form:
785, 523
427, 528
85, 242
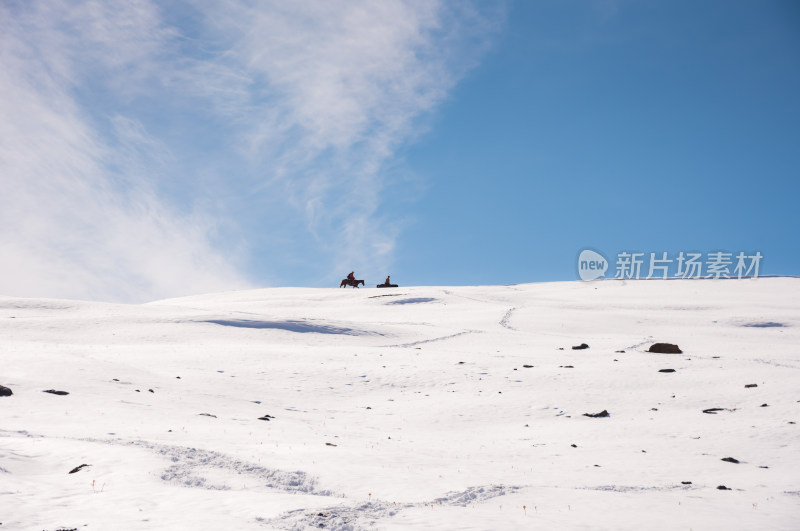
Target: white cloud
338, 87
319, 95
78, 217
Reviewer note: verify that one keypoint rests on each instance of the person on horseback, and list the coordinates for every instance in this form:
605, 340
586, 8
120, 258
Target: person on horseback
351, 276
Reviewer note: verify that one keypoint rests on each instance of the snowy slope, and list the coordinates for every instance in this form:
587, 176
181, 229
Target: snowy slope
418, 408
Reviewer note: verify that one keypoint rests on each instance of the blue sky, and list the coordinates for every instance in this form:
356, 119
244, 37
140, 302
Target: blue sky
150, 151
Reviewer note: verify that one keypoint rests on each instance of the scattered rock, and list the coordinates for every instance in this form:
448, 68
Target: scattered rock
266, 417
574, 445
764, 405
582, 346
602, 414
151, 390
723, 487
666, 370
528, 366
114, 379
331, 444
665, 348
5, 391
460, 363
713, 410
77, 468
177, 377
747, 386
566, 366
686, 482
763, 467
730, 460
207, 415
620, 351
54, 392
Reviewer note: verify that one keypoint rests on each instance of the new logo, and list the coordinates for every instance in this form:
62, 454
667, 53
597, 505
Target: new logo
591, 265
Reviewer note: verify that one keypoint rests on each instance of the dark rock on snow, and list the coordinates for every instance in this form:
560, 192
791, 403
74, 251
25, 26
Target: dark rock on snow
723, 487
730, 460
266, 417
666, 370
5, 391
665, 348
713, 410
602, 414
582, 346
54, 392
748, 386
77, 468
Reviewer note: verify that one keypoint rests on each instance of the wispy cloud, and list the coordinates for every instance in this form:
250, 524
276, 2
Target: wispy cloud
79, 212
134, 141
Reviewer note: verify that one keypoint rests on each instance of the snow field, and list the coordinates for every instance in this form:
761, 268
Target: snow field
406, 408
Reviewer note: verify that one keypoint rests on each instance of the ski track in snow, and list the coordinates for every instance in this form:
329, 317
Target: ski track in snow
365, 515
506, 318
189, 464
628, 488
435, 339
777, 364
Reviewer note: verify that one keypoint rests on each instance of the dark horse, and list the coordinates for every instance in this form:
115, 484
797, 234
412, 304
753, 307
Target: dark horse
352, 283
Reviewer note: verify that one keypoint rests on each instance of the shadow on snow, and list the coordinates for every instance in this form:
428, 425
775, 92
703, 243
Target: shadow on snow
302, 327
412, 301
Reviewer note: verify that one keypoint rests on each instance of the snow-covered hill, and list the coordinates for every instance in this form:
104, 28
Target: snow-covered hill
421, 408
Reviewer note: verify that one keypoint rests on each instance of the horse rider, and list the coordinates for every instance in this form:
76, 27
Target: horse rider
351, 276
